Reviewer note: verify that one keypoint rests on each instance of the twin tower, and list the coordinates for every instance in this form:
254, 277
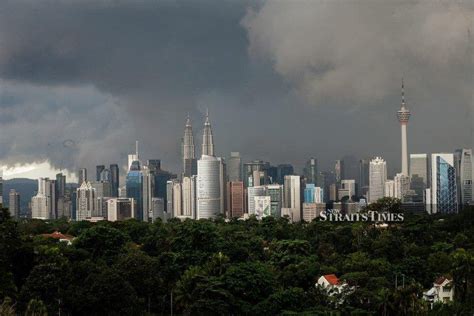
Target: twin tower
188, 148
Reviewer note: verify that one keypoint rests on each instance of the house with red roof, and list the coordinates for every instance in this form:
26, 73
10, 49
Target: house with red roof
59, 236
331, 283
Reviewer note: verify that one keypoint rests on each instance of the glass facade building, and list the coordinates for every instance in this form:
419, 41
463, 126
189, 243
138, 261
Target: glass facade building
443, 184
134, 185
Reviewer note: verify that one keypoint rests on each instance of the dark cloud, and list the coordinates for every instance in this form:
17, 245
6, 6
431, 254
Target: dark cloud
283, 80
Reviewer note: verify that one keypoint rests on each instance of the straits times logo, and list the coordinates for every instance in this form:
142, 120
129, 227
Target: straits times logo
332, 215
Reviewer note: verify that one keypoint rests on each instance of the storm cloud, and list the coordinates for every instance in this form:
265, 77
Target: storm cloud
318, 77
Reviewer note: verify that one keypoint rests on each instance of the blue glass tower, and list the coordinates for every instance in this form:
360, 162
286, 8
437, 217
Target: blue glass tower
134, 185
446, 192
309, 193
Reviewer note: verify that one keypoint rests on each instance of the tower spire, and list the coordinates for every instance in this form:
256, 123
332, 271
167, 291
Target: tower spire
207, 138
403, 94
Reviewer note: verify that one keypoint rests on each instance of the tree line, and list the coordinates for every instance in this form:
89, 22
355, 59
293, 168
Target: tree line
234, 267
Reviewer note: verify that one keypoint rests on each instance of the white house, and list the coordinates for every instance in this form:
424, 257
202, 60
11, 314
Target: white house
442, 291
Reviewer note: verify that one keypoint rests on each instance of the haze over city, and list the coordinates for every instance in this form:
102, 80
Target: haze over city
283, 81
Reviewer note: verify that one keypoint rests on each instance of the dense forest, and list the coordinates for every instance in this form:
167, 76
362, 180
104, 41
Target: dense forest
234, 267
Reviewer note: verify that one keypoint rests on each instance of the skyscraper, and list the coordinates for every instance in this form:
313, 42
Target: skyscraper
249, 173
234, 170
208, 187
189, 197
311, 171
403, 116
82, 175
86, 201
134, 186
347, 188
419, 173
98, 171
119, 209
114, 179
364, 177
377, 179
292, 196
235, 199
275, 192
207, 138
252, 192
339, 171
443, 184
284, 170
43, 204
188, 151
463, 164
14, 203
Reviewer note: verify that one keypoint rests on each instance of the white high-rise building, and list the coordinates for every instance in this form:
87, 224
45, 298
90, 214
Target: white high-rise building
253, 192
292, 200
403, 116
86, 201
14, 203
463, 164
402, 186
208, 187
419, 175
189, 197
444, 196
43, 204
377, 179
389, 190
347, 188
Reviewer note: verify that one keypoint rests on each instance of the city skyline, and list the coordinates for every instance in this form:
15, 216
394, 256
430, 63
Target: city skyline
64, 100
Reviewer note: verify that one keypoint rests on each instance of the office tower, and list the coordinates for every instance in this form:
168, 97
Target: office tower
419, 173
82, 175
272, 174
133, 157
252, 192
313, 194
43, 204
98, 171
234, 169
60, 185
154, 164
235, 199
389, 190
189, 197
251, 167
339, 171
275, 192
312, 210
282, 171
102, 189
222, 184
402, 186
170, 197
443, 184
463, 164
333, 192
114, 180
105, 175
148, 191
208, 187
134, 187
188, 150
347, 189
158, 209
311, 171
14, 203
351, 168
364, 177
207, 138
86, 201
120, 209
292, 196
403, 116
377, 178
262, 206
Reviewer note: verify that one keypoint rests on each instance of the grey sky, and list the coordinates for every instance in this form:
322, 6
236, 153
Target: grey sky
283, 80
